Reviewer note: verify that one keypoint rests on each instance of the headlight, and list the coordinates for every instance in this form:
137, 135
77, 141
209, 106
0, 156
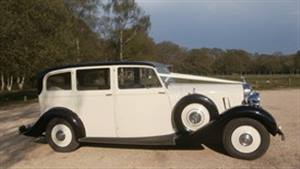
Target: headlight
251, 97
247, 89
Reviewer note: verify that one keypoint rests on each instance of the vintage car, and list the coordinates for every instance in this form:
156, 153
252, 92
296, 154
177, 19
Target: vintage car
143, 103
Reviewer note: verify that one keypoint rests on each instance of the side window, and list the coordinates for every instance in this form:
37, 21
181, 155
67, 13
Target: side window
134, 78
60, 81
93, 79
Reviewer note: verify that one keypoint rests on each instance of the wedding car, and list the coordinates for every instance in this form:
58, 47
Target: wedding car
143, 103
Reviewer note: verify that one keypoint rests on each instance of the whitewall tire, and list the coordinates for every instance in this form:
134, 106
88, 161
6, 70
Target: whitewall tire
245, 138
191, 114
60, 135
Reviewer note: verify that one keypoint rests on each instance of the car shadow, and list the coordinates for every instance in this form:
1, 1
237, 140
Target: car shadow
212, 138
145, 147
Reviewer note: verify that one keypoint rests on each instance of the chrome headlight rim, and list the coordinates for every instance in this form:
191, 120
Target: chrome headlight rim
251, 97
247, 88
254, 99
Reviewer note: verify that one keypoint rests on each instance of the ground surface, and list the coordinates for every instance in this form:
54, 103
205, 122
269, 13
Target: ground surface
23, 152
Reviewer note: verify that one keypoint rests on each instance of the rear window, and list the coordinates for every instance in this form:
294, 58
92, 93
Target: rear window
60, 81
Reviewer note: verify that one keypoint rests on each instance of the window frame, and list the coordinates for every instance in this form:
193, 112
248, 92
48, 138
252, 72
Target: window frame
89, 68
93, 68
162, 86
58, 73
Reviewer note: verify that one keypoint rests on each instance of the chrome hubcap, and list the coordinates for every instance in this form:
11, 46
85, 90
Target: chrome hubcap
195, 117
246, 139
60, 135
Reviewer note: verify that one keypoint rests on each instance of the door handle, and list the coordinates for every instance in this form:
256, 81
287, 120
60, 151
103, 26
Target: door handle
108, 94
161, 92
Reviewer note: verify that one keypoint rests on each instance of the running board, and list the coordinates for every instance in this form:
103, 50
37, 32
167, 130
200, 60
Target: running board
157, 140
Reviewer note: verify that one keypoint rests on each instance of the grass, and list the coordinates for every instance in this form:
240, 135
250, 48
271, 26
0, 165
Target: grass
266, 82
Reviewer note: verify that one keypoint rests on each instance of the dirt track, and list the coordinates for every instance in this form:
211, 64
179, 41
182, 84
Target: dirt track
23, 152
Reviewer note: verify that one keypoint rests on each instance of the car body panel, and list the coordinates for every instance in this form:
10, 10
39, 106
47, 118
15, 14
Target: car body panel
224, 96
142, 107
139, 113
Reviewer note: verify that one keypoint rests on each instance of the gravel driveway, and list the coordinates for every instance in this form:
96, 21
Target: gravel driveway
23, 152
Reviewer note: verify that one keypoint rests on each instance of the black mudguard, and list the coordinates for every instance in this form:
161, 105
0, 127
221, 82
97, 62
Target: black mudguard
39, 127
256, 113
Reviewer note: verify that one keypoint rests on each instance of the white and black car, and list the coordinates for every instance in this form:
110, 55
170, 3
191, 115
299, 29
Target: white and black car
143, 103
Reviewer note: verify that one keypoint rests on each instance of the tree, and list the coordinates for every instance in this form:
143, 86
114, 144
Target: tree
124, 19
141, 48
172, 54
297, 62
232, 61
198, 61
36, 34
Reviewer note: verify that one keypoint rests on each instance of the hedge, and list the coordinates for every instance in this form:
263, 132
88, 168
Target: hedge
6, 97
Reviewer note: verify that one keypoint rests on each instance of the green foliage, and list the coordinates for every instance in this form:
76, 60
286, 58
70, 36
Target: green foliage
206, 61
142, 47
117, 21
38, 34
171, 54
17, 96
123, 22
266, 82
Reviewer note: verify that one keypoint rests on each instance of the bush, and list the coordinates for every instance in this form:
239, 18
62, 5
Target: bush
6, 97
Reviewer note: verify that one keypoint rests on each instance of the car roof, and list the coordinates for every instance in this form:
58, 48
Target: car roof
41, 75
110, 63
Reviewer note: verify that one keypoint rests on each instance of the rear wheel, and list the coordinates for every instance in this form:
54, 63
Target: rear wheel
61, 136
245, 138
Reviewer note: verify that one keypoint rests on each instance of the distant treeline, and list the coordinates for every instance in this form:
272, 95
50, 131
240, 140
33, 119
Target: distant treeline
37, 34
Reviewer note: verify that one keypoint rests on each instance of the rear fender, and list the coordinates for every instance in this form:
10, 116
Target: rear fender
40, 126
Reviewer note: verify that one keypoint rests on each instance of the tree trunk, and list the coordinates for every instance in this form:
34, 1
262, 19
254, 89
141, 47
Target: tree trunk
20, 81
2, 82
121, 45
9, 83
78, 50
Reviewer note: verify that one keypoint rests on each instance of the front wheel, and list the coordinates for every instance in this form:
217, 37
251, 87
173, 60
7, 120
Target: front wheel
60, 135
245, 138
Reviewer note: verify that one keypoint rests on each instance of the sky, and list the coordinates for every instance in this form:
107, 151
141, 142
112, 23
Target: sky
263, 26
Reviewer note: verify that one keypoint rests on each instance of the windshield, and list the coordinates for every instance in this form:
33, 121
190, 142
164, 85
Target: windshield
164, 69
161, 68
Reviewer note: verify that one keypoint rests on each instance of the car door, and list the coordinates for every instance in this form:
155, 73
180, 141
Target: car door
142, 105
95, 101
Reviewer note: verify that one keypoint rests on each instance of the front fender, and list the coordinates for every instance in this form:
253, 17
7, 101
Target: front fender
216, 127
256, 113
39, 127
